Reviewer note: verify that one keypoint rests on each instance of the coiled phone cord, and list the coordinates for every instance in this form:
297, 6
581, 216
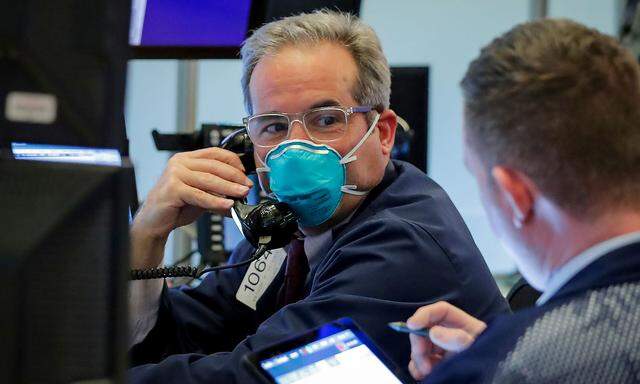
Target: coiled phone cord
188, 271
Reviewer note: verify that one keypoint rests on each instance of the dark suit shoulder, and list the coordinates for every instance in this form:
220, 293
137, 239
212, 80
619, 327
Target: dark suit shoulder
589, 337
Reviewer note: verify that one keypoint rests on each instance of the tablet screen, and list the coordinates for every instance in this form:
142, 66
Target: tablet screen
340, 357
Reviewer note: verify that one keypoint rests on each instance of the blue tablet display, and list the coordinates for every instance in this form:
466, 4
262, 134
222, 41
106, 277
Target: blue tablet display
342, 357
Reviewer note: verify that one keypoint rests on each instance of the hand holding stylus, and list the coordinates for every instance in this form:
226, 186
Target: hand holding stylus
451, 330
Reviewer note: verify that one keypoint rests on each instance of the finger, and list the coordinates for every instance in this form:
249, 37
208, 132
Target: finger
220, 154
218, 168
437, 350
450, 339
433, 362
421, 348
199, 198
443, 313
420, 345
213, 184
415, 373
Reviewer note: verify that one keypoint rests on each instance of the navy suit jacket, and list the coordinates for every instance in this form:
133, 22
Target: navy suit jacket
589, 331
405, 247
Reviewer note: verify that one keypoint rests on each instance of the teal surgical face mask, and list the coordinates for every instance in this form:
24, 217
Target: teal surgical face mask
310, 177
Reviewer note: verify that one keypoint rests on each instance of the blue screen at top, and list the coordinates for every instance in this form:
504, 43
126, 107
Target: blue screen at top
189, 23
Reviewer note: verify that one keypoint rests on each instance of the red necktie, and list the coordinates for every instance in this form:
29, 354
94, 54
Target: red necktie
295, 274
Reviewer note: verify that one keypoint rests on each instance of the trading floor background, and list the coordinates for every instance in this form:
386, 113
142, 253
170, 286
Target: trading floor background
441, 35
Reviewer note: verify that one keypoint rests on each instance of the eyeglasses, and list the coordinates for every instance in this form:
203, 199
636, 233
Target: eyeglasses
321, 124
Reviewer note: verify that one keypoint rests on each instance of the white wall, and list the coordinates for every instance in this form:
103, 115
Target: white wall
150, 103
443, 34
446, 35
604, 15
151, 99
220, 101
219, 92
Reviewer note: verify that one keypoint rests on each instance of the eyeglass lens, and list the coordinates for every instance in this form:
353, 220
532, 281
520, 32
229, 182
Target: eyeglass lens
321, 124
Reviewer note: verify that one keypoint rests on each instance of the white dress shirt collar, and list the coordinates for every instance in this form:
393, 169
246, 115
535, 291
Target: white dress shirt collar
562, 275
317, 245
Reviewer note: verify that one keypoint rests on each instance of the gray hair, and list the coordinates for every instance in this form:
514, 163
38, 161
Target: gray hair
373, 85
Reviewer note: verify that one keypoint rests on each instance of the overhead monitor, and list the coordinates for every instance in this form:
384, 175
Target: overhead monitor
214, 29
189, 23
191, 28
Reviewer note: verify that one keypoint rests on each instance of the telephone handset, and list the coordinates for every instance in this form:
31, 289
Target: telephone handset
267, 225
239, 143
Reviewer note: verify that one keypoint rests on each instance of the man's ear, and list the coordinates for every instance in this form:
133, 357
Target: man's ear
517, 190
387, 130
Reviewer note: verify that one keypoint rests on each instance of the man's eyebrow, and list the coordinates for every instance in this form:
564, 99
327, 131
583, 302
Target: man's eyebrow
326, 103
319, 104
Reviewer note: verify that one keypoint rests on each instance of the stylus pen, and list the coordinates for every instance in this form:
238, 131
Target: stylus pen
401, 326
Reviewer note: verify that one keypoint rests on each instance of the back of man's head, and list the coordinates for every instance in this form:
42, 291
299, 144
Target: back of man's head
561, 103
373, 85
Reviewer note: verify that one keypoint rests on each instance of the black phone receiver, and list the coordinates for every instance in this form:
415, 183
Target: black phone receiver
240, 143
266, 226
270, 223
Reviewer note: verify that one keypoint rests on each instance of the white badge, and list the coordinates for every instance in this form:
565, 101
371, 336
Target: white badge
259, 276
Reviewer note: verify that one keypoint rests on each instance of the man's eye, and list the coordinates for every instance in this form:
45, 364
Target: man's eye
325, 121
274, 128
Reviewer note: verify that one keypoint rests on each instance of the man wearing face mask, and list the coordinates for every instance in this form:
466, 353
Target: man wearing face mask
377, 237
552, 136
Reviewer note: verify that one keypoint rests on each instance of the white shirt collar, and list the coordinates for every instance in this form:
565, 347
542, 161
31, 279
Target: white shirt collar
316, 245
562, 275
319, 244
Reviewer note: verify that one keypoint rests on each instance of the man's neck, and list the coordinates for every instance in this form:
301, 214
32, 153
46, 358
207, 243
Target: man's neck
579, 235
346, 209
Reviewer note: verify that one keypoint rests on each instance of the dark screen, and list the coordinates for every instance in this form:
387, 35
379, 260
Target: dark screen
62, 72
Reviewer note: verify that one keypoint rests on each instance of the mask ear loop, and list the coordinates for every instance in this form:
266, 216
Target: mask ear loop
265, 168
352, 190
350, 157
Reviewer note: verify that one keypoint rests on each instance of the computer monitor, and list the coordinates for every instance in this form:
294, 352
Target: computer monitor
189, 23
213, 29
191, 28
66, 154
79, 155
410, 101
63, 268
62, 72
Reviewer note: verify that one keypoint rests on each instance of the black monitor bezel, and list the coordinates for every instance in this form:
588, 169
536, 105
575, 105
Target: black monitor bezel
115, 187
